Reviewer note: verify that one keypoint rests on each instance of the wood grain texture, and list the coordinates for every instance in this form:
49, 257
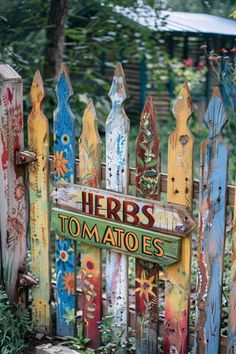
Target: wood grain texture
162, 217
179, 191
117, 167
148, 163
13, 213
64, 160
90, 146
145, 244
211, 233
38, 142
231, 340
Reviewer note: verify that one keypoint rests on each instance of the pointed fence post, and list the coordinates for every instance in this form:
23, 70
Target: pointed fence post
13, 212
117, 141
148, 164
179, 191
64, 171
231, 337
38, 141
90, 148
211, 233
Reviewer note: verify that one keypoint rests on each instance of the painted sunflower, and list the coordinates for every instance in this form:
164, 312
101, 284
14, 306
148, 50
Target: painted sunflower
60, 163
65, 254
146, 285
89, 264
68, 280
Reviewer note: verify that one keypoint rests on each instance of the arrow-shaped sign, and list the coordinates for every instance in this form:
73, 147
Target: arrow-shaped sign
146, 214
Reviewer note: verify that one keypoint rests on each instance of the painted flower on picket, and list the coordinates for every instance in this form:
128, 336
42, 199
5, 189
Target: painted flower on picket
60, 163
68, 280
146, 285
89, 264
19, 191
64, 255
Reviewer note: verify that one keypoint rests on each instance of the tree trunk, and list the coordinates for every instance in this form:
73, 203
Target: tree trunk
55, 37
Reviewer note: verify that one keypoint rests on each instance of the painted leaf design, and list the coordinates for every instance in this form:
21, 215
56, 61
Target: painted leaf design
152, 163
140, 162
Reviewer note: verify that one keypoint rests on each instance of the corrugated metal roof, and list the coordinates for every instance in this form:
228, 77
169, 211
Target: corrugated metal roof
180, 21
8, 73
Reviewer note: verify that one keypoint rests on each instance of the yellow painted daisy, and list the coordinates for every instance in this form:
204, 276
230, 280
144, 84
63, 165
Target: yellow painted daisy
60, 163
146, 285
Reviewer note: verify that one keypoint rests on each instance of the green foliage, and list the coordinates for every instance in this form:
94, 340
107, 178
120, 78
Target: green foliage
15, 325
79, 344
112, 335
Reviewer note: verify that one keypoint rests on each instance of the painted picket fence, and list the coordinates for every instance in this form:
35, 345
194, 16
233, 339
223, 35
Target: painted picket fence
88, 221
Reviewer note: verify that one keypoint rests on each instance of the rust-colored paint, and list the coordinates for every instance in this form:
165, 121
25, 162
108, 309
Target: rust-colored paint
90, 146
148, 168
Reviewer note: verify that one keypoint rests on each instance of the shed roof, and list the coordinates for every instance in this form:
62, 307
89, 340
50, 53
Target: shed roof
187, 22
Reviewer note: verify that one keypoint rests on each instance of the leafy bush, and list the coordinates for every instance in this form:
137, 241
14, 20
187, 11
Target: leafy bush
15, 325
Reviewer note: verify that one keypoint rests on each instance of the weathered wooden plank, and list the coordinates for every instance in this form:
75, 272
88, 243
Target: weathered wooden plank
64, 159
147, 274
13, 215
163, 182
231, 340
150, 214
117, 141
38, 142
90, 146
179, 191
145, 244
211, 234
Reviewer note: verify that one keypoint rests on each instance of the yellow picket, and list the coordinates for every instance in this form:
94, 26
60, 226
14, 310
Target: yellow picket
38, 140
179, 191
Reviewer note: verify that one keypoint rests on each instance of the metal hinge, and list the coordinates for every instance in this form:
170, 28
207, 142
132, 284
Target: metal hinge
24, 157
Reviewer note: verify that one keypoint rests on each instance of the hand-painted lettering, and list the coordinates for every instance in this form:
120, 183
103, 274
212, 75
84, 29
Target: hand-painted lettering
160, 252
90, 234
63, 218
88, 202
109, 237
74, 226
133, 213
131, 242
113, 206
98, 206
146, 244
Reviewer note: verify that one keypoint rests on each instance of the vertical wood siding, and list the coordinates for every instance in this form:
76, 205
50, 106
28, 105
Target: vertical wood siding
147, 274
179, 191
90, 147
13, 213
117, 167
38, 141
64, 160
211, 233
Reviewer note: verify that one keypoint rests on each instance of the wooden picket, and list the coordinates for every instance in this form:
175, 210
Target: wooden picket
64, 170
179, 191
211, 235
13, 214
155, 233
147, 274
38, 141
91, 257
232, 298
117, 142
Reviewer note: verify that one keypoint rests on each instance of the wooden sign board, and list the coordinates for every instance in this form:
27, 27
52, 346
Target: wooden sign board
124, 238
106, 205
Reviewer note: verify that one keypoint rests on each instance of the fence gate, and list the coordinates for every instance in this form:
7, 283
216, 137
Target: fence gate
96, 230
